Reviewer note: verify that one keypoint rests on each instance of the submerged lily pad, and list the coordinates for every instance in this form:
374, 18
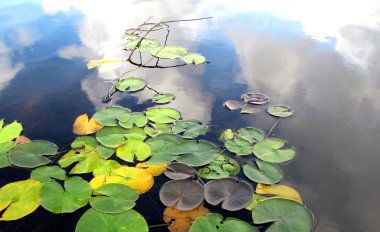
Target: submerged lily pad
255, 98
194, 58
265, 172
215, 223
168, 52
131, 83
223, 166
137, 119
162, 98
233, 105
112, 114
162, 115
281, 111
178, 171
45, 174
232, 193
10, 131
184, 194
270, 150
286, 215
239, 146
190, 128
133, 148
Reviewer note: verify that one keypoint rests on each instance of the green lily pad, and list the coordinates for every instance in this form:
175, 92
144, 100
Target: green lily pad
55, 199
112, 136
4, 148
133, 148
222, 166
239, 146
194, 58
251, 134
131, 83
10, 131
270, 150
163, 146
19, 199
265, 173
168, 52
145, 44
162, 98
112, 114
137, 119
85, 142
86, 161
162, 115
215, 223
226, 135
105, 167
114, 198
32, 154
128, 221
46, 173
195, 153
281, 111
190, 128
255, 200
286, 215
157, 128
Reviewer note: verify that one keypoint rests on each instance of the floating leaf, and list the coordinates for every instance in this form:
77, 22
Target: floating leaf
265, 172
112, 136
222, 166
194, 58
83, 126
85, 142
250, 110
270, 150
55, 199
133, 148
162, 115
168, 52
105, 167
46, 173
22, 139
239, 146
110, 115
31, 155
184, 194
4, 148
153, 169
133, 83
162, 98
282, 191
255, 98
150, 27
157, 128
215, 223
251, 134
281, 111
255, 200
226, 135
163, 146
232, 193
233, 105
195, 153
145, 44
190, 128
137, 119
10, 131
129, 221
286, 215
19, 199
178, 171
114, 198
180, 220
95, 63
87, 161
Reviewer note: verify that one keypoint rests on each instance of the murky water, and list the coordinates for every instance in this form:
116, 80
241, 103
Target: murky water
321, 58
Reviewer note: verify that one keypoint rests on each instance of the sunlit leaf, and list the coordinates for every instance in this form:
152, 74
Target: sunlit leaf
270, 150
22, 139
131, 83
226, 135
285, 214
184, 194
85, 142
251, 134
215, 223
178, 171
157, 128
168, 52
86, 161
282, 191
280, 111
19, 199
265, 172
153, 169
83, 126
163, 146
128, 221
10, 132
222, 166
137, 119
4, 148
194, 58
46, 173
250, 110
133, 148
33, 154
255, 98
233, 105
114, 198
190, 128
105, 167
162, 115
232, 193
112, 136
162, 98
239, 146
95, 63
112, 114
255, 200
180, 220
145, 44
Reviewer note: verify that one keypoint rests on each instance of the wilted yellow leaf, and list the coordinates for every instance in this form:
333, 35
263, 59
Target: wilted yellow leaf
95, 63
180, 221
153, 169
83, 126
22, 139
279, 190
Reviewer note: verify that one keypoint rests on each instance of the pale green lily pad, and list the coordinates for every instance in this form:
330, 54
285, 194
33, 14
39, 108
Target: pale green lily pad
86, 161
114, 198
215, 223
4, 148
137, 119
162, 115
157, 128
286, 215
32, 154
255, 200
239, 146
163, 146
270, 150
222, 166
105, 167
168, 52
46, 173
57, 200
112, 136
128, 221
281, 111
133, 148
194, 58
162, 98
265, 173
112, 114
131, 83
251, 134
85, 142
226, 135
145, 44
190, 128
10, 131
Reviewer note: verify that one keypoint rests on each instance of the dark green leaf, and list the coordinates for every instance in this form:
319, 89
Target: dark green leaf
265, 173
215, 223
190, 128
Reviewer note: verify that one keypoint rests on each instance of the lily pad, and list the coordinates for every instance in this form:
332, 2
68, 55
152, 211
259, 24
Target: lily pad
137, 119
226, 135
232, 193
163, 146
215, 223
133, 148
279, 190
46, 173
153, 169
178, 171
112, 114
157, 128
251, 134
281, 111
162, 98
105, 167
168, 52
162, 115
239, 146
250, 110
145, 44
223, 166
255, 200
194, 153
194, 58
83, 126
10, 131
190, 128
129, 221
33, 154
270, 150
286, 215
184, 194
233, 105
4, 149
85, 142
19, 199
255, 98
86, 161
57, 200
131, 83
114, 198
112, 136
265, 172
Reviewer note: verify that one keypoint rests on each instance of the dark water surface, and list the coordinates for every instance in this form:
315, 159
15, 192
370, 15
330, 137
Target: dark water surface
321, 58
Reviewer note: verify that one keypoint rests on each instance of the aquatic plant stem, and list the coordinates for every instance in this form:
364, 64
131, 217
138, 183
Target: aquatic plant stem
150, 88
158, 225
271, 129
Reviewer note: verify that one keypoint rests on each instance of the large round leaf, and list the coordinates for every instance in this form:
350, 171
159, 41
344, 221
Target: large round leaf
46, 173
32, 154
137, 119
222, 166
232, 193
55, 199
162, 115
178, 171
280, 111
265, 172
190, 128
194, 58
195, 153
270, 150
286, 215
184, 194
133, 148
112, 114
251, 134
215, 223
114, 198
168, 52
239, 146
10, 131
129, 221
133, 83
4, 148
163, 146
112, 136
19, 199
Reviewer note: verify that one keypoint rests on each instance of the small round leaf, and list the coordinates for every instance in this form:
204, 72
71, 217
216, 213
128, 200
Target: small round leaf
280, 111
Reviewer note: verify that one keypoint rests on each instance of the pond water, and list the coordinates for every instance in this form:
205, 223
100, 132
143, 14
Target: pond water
322, 58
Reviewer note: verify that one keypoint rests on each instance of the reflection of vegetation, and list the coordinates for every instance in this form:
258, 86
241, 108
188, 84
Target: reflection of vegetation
124, 151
